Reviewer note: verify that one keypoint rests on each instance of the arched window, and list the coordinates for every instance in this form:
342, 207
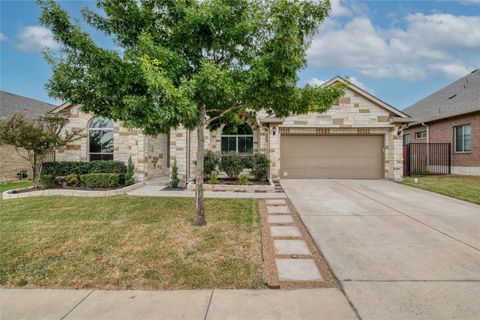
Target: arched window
237, 138
100, 137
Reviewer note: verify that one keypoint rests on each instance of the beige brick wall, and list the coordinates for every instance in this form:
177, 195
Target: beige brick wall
11, 163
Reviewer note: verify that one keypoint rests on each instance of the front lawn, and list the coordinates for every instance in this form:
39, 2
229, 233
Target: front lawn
456, 186
129, 242
4, 186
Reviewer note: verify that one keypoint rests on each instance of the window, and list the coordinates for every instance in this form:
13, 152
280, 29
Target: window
100, 137
463, 138
406, 139
237, 138
421, 134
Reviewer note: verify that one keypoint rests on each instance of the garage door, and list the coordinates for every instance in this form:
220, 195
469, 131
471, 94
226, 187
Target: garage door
331, 157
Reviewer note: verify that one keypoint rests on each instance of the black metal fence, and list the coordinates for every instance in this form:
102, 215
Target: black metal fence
427, 158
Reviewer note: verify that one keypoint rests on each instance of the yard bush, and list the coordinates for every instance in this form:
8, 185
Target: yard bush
64, 168
174, 179
100, 180
210, 162
243, 179
72, 180
129, 180
232, 164
47, 181
261, 166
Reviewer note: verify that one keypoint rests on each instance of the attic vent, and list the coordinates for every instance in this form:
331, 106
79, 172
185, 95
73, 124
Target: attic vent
451, 97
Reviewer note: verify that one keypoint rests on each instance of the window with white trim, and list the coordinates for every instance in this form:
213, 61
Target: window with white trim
100, 139
237, 138
463, 138
421, 134
406, 139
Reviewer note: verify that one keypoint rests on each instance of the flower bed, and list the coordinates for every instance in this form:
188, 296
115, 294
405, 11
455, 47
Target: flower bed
253, 187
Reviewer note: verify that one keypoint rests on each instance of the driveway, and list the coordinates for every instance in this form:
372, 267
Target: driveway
399, 252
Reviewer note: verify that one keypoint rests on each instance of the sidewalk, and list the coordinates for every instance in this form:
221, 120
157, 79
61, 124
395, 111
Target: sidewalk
316, 304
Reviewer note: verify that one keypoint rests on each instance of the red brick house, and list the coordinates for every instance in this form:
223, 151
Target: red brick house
451, 115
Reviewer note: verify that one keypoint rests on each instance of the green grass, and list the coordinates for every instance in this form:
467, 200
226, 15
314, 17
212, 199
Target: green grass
129, 242
456, 186
4, 186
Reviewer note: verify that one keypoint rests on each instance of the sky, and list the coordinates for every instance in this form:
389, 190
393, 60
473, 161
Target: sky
400, 51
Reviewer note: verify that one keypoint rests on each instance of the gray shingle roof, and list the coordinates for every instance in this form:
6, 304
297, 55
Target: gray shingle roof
12, 103
459, 97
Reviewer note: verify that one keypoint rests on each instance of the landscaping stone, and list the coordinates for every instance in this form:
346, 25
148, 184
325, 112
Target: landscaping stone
277, 209
274, 202
285, 231
298, 270
286, 247
280, 219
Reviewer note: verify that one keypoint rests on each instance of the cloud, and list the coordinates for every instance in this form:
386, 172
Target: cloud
36, 38
338, 9
2, 37
438, 44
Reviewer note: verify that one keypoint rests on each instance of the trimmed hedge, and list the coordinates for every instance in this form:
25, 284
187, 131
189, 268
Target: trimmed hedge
100, 180
65, 168
47, 181
261, 166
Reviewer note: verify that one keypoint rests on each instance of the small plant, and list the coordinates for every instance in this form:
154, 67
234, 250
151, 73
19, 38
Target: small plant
47, 181
261, 166
232, 164
72, 180
213, 177
174, 180
243, 179
22, 174
129, 180
210, 162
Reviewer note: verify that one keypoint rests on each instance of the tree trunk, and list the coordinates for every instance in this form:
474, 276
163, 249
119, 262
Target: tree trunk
199, 206
37, 168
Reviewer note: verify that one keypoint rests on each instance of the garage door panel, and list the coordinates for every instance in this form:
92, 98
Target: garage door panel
331, 156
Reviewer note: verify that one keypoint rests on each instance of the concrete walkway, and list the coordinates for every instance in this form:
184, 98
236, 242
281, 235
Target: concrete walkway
399, 252
157, 191
328, 304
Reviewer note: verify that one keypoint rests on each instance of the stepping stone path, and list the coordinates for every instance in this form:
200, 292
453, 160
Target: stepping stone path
289, 244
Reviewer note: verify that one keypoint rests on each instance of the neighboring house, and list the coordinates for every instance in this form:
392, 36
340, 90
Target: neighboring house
10, 162
451, 115
357, 138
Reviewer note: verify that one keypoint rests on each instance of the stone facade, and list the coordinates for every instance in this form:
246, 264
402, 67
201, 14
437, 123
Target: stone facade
442, 131
354, 114
148, 152
11, 163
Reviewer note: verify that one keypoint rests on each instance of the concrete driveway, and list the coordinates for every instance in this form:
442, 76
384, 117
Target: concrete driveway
399, 252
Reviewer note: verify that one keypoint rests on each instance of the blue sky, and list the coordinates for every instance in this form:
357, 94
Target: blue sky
401, 51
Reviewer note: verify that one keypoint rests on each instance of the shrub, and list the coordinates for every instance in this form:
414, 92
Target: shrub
232, 164
247, 161
174, 180
22, 174
129, 180
47, 181
100, 180
213, 177
72, 180
261, 166
64, 168
243, 179
210, 162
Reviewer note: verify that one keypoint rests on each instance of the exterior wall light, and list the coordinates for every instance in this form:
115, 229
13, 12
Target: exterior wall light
274, 130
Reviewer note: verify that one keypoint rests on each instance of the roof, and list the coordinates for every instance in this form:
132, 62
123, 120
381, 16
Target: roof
459, 97
11, 104
368, 96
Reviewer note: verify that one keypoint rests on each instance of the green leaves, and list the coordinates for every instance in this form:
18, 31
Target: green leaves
178, 57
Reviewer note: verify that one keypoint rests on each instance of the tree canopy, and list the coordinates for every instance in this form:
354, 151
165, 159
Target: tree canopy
193, 63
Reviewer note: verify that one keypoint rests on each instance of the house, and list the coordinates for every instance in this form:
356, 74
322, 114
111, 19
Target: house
451, 115
10, 161
359, 137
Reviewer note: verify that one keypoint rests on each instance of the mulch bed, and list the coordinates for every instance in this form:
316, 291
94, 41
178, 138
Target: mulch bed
268, 254
65, 188
228, 181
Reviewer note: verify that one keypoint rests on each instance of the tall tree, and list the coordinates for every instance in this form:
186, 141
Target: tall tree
188, 63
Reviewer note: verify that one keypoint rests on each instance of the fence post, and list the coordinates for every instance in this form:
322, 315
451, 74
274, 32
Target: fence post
449, 159
408, 160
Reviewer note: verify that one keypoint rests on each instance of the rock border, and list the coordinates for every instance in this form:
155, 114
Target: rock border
7, 195
235, 188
